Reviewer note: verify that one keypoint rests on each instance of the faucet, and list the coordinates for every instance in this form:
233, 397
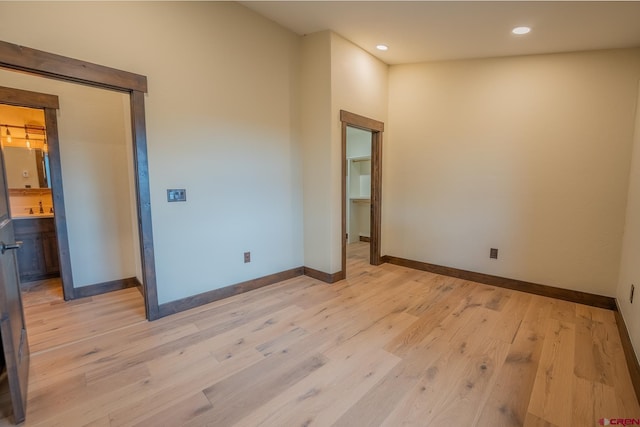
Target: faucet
41, 209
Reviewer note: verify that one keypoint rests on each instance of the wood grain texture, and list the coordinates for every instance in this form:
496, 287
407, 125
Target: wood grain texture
143, 204
629, 352
388, 346
26, 98
60, 67
226, 292
57, 191
325, 277
503, 282
376, 198
50, 104
343, 201
104, 287
361, 122
51, 65
38, 255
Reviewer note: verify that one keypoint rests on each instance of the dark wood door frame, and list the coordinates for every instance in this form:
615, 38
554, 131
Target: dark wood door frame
49, 103
376, 128
14, 342
45, 64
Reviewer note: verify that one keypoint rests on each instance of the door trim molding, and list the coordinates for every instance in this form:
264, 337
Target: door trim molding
49, 103
57, 194
376, 128
60, 67
26, 98
50, 65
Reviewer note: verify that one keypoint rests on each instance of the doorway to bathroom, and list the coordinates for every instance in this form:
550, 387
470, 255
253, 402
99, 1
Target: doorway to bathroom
126, 89
93, 226
25, 148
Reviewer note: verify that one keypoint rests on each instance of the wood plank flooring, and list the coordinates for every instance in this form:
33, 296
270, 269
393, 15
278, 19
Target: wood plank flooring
390, 346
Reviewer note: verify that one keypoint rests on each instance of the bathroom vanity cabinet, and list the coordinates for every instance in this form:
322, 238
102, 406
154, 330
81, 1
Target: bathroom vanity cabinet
38, 255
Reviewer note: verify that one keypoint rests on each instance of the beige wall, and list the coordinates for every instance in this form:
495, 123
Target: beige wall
529, 155
630, 261
526, 154
336, 75
19, 160
94, 146
129, 161
315, 134
358, 85
220, 123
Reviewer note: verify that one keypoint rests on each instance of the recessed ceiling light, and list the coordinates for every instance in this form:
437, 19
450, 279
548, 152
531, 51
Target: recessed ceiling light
382, 47
521, 30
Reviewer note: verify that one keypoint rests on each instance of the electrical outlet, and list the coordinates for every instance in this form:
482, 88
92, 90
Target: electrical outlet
493, 253
633, 289
247, 257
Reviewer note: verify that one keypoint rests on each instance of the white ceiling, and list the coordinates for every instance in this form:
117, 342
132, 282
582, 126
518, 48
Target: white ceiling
419, 31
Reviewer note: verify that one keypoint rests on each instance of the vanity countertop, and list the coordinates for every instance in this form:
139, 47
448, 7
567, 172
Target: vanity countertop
33, 216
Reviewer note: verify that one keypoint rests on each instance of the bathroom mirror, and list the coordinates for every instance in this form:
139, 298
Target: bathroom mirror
24, 145
26, 168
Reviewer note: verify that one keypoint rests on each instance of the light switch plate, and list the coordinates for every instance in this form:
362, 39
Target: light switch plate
176, 195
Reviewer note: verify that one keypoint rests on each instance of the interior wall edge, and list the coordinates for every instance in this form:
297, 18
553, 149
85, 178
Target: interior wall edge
629, 353
324, 277
104, 287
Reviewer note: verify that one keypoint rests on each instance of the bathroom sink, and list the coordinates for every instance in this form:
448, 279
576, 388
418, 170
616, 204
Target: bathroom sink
33, 216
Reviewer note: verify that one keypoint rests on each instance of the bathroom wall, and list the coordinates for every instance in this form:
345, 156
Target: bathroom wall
19, 160
23, 201
96, 178
21, 167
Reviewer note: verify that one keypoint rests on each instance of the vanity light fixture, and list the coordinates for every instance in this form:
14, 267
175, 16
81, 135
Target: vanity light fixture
26, 136
521, 30
382, 47
29, 141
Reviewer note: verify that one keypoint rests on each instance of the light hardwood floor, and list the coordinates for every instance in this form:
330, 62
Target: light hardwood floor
390, 346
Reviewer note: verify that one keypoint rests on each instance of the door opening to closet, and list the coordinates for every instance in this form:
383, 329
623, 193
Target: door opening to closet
362, 184
358, 193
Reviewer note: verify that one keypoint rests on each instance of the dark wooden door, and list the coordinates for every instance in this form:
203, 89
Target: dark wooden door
12, 327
